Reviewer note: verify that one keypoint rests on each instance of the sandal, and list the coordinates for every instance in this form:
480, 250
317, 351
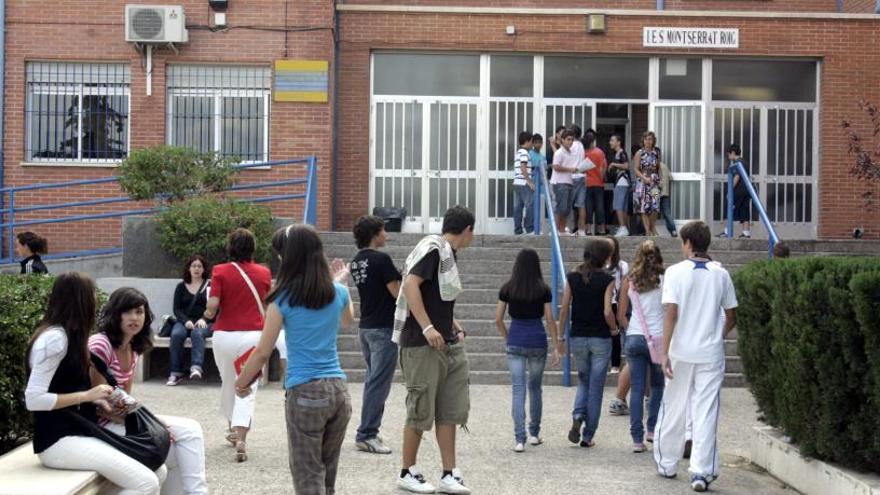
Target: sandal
232, 437
240, 451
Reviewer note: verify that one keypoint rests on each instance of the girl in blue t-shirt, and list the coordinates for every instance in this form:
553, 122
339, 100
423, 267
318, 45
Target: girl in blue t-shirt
528, 299
310, 306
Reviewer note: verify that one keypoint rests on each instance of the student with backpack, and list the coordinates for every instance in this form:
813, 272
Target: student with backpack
700, 311
587, 298
528, 299
644, 338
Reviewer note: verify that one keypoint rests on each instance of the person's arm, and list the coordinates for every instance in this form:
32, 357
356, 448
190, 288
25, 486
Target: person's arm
393, 288
261, 354
729, 321
500, 309
609, 310
179, 307
391, 277
623, 303
211, 308
46, 355
417, 308
564, 308
637, 166
669, 322
553, 330
524, 169
347, 315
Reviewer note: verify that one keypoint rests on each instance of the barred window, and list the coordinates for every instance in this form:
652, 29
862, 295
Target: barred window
224, 109
77, 112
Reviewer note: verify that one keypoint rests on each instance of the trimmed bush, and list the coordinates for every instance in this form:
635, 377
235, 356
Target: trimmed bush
811, 352
170, 173
201, 225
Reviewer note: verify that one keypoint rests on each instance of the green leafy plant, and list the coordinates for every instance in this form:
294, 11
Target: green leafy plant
201, 225
810, 345
170, 174
24, 302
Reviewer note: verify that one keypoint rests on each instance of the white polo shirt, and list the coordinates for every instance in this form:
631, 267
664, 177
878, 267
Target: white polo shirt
702, 291
566, 158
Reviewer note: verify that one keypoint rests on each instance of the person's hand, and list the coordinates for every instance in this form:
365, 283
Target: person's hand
201, 323
339, 270
558, 352
434, 339
189, 325
667, 367
460, 336
532, 186
97, 393
242, 391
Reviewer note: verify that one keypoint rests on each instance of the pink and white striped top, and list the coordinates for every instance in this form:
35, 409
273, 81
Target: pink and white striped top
100, 346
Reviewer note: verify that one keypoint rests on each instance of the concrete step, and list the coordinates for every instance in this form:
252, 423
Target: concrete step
552, 377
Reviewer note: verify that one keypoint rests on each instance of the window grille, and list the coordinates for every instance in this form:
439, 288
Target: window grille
224, 109
77, 112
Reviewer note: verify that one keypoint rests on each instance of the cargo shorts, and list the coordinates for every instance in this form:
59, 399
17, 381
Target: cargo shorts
437, 385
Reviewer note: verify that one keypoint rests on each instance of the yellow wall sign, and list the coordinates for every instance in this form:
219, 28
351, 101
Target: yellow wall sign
301, 80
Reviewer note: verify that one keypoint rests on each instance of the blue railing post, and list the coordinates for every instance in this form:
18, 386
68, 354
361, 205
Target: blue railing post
756, 201
729, 229
10, 221
536, 179
310, 215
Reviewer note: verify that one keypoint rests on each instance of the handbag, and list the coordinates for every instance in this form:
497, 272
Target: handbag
146, 438
168, 321
655, 345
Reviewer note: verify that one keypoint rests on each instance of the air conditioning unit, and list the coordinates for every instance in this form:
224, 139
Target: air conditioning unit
155, 24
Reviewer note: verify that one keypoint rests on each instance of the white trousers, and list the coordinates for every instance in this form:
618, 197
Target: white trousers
91, 454
228, 346
694, 388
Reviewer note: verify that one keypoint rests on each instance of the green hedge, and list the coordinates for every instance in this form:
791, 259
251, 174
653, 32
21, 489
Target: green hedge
809, 338
24, 302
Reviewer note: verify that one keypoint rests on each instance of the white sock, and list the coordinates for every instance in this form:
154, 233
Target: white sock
747, 232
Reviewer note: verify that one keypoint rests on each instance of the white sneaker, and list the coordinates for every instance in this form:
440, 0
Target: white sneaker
373, 446
415, 482
535, 440
519, 448
453, 484
622, 232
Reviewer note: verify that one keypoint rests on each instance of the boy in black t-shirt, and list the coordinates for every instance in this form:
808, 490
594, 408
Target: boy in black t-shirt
378, 283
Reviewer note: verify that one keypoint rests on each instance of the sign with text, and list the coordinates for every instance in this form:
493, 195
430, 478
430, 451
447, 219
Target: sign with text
672, 37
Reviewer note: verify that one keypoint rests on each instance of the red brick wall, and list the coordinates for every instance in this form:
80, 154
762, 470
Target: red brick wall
732, 5
848, 74
93, 30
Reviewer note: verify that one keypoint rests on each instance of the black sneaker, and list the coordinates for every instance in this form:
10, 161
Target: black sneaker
574, 434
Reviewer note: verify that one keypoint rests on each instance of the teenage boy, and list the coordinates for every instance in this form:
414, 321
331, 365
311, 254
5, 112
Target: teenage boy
553, 144
665, 207
537, 159
700, 311
741, 198
622, 202
565, 162
523, 187
378, 283
595, 186
578, 184
432, 355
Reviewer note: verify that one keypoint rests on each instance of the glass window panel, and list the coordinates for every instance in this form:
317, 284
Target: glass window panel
685, 197
808, 199
790, 203
192, 122
54, 126
426, 74
380, 135
681, 79
763, 80
511, 75
104, 127
242, 131
808, 145
772, 210
380, 189
493, 198
612, 111
678, 132
595, 77
472, 137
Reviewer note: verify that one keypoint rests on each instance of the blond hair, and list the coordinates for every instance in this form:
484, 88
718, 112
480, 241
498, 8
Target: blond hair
647, 267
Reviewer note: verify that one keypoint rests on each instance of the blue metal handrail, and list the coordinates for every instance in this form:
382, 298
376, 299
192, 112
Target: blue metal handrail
557, 262
8, 223
737, 168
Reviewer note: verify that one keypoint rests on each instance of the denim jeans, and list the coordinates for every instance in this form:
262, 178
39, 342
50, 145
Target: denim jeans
591, 356
522, 360
380, 353
523, 197
179, 334
666, 211
639, 359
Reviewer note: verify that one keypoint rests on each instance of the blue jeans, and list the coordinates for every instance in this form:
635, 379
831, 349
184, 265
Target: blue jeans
520, 360
380, 353
179, 334
591, 356
666, 211
523, 197
639, 359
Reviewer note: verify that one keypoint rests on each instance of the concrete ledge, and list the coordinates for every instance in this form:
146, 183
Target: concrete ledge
810, 476
22, 474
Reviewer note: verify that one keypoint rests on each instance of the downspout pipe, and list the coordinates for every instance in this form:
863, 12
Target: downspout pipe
334, 166
2, 113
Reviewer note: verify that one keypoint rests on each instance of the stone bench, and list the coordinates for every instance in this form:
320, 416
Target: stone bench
22, 474
160, 294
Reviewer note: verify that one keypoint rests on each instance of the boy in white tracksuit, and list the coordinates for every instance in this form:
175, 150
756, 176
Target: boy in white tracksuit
696, 293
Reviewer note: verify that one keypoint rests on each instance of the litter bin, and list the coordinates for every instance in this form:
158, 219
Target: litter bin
392, 215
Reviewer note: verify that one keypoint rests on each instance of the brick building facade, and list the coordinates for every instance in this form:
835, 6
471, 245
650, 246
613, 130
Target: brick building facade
837, 38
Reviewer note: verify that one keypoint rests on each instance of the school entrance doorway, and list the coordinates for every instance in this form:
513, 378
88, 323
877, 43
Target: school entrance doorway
444, 127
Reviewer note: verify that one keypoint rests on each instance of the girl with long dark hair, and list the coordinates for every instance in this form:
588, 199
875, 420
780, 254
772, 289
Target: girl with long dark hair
60, 394
123, 336
190, 301
527, 298
310, 307
587, 298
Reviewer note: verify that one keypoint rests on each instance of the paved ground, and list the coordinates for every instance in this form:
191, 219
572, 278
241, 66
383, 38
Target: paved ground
485, 454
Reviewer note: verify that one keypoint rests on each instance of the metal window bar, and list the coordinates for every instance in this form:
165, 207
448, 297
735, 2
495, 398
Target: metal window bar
77, 111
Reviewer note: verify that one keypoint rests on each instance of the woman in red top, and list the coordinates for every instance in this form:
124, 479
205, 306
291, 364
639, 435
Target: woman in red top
238, 289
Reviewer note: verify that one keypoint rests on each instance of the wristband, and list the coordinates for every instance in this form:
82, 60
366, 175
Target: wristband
425, 330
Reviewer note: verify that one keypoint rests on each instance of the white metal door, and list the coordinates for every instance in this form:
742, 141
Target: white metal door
566, 112
679, 132
507, 118
739, 124
791, 170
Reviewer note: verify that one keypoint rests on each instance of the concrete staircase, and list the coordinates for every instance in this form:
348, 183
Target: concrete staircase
486, 265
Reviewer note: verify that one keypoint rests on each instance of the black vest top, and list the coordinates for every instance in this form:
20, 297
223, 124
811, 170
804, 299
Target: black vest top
50, 426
